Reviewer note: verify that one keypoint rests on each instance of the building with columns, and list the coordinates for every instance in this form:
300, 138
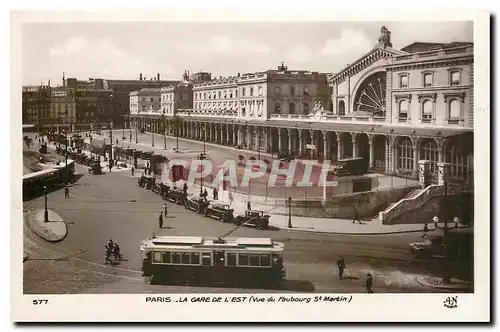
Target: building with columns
391, 107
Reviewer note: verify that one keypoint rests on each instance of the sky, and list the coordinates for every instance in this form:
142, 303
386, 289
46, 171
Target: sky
120, 50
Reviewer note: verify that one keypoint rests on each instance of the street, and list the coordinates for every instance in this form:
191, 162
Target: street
113, 206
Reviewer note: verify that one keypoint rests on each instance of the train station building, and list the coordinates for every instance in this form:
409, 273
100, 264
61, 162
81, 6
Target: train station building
392, 107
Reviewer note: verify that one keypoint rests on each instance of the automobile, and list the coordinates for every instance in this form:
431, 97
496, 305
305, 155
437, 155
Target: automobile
176, 195
150, 182
196, 203
144, 180
220, 211
253, 218
156, 188
95, 168
421, 248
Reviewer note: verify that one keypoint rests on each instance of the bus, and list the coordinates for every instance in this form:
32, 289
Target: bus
209, 259
51, 178
351, 166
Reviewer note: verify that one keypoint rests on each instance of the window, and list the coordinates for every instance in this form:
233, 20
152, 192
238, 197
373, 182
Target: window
265, 260
454, 109
428, 77
254, 260
230, 94
251, 92
292, 108
455, 77
277, 109
166, 257
243, 259
235, 93
156, 257
260, 91
277, 90
231, 259
403, 81
186, 258
204, 95
219, 94
429, 151
292, 90
206, 258
403, 109
427, 110
152, 99
176, 258
341, 108
306, 91
243, 92
306, 108
405, 155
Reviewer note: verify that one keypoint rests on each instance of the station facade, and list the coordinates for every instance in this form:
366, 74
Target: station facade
392, 107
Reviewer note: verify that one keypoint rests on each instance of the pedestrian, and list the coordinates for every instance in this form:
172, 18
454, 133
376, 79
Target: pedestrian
185, 188
165, 209
116, 142
160, 220
249, 206
205, 193
132, 170
341, 266
216, 194
66, 192
369, 283
230, 198
356, 216
426, 229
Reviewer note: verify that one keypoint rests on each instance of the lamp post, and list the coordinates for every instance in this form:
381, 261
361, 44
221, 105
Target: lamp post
445, 229
152, 136
202, 156
289, 211
177, 129
136, 124
46, 212
66, 152
129, 129
110, 145
164, 131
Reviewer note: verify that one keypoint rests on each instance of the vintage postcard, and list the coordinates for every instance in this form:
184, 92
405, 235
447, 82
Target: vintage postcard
258, 166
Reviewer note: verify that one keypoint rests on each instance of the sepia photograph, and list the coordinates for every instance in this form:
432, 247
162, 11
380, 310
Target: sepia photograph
286, 162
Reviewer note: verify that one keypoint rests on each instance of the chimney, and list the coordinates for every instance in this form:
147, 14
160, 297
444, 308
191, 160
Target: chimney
140, 77
158, 76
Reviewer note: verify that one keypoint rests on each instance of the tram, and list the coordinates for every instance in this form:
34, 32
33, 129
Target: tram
207, 259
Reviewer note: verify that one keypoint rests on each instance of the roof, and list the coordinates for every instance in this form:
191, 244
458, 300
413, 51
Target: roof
425, 46
185, 242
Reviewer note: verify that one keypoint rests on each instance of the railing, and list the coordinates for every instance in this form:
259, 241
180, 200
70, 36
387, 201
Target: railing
412, 203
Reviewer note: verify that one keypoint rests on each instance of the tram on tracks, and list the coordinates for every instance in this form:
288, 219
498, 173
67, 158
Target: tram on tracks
209, 259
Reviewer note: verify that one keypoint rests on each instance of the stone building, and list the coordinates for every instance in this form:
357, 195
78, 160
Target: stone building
63, 105
36, 105
391, 107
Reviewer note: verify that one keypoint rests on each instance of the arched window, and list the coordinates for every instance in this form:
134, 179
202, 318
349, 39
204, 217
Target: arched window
341, 108
457, 157
230, 94
427, 111
454, 109
306, 108
403, 109
292, 108
277, 109
429, 151
405, 155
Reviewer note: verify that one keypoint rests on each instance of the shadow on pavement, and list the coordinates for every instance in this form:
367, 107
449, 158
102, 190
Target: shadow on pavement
288, 285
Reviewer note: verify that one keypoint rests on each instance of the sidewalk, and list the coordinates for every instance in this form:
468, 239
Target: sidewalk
279, 217
53, 231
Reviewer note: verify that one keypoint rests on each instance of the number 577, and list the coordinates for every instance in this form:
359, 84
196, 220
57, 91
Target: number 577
37, 302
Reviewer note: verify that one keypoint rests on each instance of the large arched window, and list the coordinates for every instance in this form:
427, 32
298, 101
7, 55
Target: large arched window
306, 108
277, 109
456, 155
454, 109
429, 151
292, 108
341, 108
405, 154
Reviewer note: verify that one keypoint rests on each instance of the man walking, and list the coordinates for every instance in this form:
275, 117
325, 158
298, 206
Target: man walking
369, 283
356, 216
160, 220
426, 229
132, 170
249, 206
341, 266
216, 194
165, 210
230, 198
66, 192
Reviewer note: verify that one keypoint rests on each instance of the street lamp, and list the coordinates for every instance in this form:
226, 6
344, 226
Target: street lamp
110, 145
130, 128
446, 229
46, 212
202, 156
289, 211
66, 152
152, 136
164, 131
136, 124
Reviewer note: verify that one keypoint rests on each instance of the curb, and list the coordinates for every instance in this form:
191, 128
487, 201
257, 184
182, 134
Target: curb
426, 284
353, 234
51, 237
